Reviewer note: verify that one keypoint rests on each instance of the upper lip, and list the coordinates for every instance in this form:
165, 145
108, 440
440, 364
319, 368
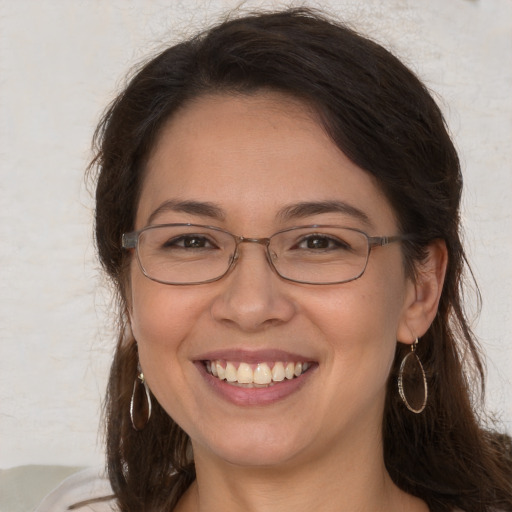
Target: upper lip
252, 356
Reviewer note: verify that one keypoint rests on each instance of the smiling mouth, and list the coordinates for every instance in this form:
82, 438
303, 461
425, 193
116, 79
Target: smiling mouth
255, 375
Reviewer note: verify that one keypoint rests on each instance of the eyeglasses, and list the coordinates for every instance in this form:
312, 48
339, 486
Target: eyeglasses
185, 254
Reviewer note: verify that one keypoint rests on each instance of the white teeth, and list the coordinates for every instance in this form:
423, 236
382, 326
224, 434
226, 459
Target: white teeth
221, 373
261, 376
244, 374
231, 373
278, 372
289, 371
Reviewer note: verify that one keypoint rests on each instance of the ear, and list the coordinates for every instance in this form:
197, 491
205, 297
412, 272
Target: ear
423, 293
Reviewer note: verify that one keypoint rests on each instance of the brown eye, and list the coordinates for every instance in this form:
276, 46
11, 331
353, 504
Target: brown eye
194, 242
317, 243
322, 242
189, 242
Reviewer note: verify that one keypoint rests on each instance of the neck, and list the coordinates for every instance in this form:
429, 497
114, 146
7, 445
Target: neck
356, 481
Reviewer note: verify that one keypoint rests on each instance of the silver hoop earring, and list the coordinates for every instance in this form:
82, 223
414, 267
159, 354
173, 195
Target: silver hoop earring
140, 403
412, 370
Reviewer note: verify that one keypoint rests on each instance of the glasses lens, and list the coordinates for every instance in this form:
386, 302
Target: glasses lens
181, 254
320, 254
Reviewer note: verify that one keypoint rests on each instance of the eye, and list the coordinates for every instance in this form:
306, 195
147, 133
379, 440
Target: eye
189, 241
322, 242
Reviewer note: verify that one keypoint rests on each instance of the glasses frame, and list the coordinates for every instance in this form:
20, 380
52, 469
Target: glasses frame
131, 239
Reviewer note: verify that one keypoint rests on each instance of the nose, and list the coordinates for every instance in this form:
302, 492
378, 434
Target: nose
252, 295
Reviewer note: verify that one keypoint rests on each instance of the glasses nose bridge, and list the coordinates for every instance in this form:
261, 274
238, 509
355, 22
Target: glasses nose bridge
251, 240
265, 242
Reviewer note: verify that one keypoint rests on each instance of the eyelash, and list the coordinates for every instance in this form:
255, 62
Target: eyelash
332, 241
180, 242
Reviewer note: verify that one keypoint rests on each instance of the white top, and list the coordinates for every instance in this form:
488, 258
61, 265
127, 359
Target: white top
77, 491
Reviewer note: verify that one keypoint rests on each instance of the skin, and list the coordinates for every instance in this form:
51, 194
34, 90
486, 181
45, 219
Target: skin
319, 448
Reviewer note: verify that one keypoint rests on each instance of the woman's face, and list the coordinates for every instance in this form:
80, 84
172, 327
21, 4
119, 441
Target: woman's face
252, 159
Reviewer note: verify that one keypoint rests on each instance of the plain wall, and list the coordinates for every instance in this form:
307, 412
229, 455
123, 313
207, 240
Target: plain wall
62, 61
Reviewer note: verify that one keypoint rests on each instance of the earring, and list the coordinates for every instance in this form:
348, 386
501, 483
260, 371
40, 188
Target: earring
140, 402
412, 370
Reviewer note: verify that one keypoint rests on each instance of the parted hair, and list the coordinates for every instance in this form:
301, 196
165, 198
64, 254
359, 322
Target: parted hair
385, 120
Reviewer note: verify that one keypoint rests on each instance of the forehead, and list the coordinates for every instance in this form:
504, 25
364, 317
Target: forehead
253, 155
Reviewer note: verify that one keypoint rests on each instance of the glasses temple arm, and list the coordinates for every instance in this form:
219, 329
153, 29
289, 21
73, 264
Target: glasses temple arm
129, 240
375, 241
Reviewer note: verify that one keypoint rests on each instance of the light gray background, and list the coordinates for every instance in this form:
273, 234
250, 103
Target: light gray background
61, 62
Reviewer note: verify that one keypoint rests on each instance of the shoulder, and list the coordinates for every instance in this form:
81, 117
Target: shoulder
86, 491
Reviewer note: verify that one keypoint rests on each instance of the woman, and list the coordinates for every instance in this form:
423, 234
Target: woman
278, 206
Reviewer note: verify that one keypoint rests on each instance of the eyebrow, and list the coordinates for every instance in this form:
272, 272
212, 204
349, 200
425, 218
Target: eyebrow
199, 208
294, 211
309, 208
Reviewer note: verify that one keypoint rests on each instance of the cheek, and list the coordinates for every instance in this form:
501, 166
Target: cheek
159, 314
161, 319
360, 322
373, 314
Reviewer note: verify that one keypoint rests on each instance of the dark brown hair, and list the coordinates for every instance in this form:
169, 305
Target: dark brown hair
384, 119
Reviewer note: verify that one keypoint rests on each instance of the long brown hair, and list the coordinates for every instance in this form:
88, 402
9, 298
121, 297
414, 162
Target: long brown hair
384, 119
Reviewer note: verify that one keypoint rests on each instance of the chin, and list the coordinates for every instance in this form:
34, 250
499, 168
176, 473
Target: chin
256, 457
259, 450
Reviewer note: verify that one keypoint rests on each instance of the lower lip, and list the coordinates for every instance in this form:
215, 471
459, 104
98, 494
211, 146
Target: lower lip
254, 396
